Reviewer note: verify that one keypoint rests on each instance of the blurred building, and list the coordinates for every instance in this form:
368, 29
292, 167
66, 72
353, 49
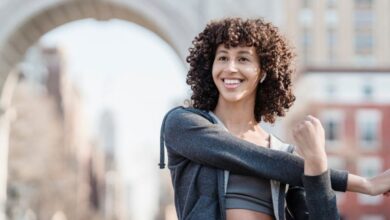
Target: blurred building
167, 209
55, 171
344, 64
354, 108
114, 191
343, 33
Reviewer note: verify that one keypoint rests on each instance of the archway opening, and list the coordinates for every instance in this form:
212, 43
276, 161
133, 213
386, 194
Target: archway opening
97, 91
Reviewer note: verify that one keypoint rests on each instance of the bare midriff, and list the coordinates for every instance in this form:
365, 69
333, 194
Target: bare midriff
241, 214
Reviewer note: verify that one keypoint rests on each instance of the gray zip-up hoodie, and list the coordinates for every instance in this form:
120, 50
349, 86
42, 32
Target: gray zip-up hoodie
199, 151
277, 190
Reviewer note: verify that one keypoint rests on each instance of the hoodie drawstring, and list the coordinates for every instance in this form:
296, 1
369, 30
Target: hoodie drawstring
162, 139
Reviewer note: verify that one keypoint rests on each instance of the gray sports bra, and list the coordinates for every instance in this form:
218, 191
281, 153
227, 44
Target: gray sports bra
247, 192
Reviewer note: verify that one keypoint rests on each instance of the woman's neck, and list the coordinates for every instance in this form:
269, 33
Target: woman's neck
238, 117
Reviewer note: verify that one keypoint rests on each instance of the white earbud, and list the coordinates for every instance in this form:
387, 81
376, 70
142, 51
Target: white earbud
263, 78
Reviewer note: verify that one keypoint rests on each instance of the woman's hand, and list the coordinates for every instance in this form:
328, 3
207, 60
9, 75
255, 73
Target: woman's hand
374, 186
379, 184
309, 136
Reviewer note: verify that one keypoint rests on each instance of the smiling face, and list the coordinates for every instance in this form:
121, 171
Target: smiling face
236, 73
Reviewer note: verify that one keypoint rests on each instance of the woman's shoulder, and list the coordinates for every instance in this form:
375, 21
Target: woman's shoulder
181, 113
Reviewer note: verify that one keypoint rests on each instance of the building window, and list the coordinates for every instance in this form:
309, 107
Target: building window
307, 44
363, 32
336, 162
330, 90
363, 4
368, 128
363, 19
306, 3
369, 167
306, 17
332, 42
368, 91
331, 18
331, 3
364, 43
333, 121
332, 37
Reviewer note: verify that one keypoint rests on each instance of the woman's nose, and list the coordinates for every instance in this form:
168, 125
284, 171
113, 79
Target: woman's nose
231, 66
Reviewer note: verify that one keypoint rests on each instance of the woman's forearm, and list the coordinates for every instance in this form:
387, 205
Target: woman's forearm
370, 186
358, 184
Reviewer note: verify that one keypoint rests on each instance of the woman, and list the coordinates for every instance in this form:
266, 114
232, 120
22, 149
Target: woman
220, 159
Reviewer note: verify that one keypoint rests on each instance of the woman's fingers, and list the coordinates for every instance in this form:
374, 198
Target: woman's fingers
380, 184
309, 137
307, 128
312, 119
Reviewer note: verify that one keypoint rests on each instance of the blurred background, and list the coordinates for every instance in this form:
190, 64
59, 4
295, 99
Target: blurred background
84, 85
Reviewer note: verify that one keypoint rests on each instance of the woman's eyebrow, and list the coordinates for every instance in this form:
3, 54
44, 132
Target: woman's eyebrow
245, 52
222, 51
240, 52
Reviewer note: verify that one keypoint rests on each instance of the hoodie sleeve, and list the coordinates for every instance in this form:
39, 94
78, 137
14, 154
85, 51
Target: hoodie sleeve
320, 198
192, 136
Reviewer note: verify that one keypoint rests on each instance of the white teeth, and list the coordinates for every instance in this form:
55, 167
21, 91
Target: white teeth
231, 81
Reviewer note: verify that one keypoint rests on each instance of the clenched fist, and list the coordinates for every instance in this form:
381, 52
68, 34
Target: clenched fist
309, 137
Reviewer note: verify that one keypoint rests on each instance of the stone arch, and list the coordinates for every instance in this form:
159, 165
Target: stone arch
23, 29
29, 31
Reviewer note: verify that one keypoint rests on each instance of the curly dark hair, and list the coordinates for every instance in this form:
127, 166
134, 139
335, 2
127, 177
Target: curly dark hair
274, 96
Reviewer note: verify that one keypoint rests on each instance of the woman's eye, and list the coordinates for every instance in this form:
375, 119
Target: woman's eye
243, 59
222, 58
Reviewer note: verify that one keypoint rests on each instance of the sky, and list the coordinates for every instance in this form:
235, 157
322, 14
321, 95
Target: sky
124, 68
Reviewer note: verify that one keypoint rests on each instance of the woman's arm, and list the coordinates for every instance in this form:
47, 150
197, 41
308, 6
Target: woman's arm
321, 202
370, 186
320, 198
192, 136
374, 186
317, 156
